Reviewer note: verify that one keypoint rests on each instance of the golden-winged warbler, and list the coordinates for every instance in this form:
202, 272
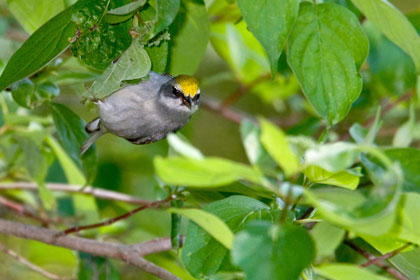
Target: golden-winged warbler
146, 112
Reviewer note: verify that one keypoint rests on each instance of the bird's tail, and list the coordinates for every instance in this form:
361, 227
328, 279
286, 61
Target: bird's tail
95, 132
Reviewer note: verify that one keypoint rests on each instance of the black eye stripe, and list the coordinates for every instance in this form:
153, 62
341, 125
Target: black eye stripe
176, 92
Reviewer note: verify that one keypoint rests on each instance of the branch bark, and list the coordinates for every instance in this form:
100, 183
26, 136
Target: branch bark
96, 192
131, 254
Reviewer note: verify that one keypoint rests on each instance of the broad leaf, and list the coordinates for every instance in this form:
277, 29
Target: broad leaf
393, 24
123, 13
44, 45
180, 145
275, 142
210, 223
327, 60
271, 23
189, 37
72, 134
208, 172
327, 238
343, 179
158, 56
272, 252
133, 64
347, 272
166, 13
204, 255
31, 14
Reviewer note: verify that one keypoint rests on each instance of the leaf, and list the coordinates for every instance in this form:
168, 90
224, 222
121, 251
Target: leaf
133, 64
204, 255
257, 155
343, 179
267, 252
332, 157
99, 43
72, 134
210, 223
393, 24
31, 14
98, 268
271, 24
275, 142
158, 56
44, 45
347, 272
189, 37
28, 95
124, 13
183, 147
209, 172
326, 60
166, 13
404, 135
327, 238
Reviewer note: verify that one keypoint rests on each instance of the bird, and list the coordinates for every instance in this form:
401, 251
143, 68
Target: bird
145, 112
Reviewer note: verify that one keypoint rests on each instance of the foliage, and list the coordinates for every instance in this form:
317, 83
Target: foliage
309, 179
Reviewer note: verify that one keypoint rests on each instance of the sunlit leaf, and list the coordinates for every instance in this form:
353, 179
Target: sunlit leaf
347, 272
343, 179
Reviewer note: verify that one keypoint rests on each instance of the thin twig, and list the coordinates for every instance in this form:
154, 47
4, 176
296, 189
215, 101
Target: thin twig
379, 264
386, 256
96, 192
155, 246
29, 264
233, 115
119, 218
126, 253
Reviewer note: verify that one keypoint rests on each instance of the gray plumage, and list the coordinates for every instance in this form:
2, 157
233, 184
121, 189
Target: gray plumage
143, 113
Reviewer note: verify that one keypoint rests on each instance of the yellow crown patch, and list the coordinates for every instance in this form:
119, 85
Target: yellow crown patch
188, 84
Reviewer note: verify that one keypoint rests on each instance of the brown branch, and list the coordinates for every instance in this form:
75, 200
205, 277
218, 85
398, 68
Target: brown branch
379, 264
155, 246
96, 192
29, 264
233, 115
386, 256
119, 218
126, 253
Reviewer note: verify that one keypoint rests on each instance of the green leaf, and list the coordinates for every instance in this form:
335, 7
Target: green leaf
327, 60
203, 255
267, 252
327, 238
93, 267
271, 24
229, 40
332, 157
409, 161
404, 135
166, 13
99, 43
28, 95
210, 223
343, 179
123, 13
189, 37
44, 45
347, 272
275, 142
158, 56
209, 172
84, 205
72, 134
31, 14
133, 64
407, 263
183, 147
37, 166
393, 24
257, 155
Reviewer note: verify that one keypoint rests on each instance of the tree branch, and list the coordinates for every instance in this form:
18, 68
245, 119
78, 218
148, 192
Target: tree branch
379, 264
96, 192
386, 256
233, 115
127, 253
29, 264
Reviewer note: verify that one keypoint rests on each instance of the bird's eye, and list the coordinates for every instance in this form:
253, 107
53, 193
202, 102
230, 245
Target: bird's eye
196, 97
176, 92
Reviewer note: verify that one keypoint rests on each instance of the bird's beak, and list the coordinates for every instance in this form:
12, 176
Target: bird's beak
187, 100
